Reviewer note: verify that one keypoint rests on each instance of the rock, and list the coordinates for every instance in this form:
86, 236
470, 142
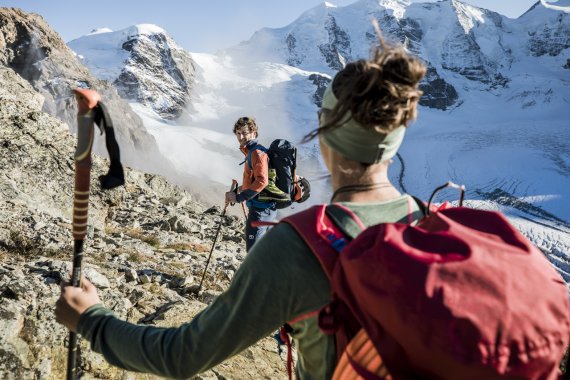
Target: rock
13, 350
177, 201
213, 210
192, 289
39, 225
131, 275
180, 282
183, 224
157, 278
20, 289
96, 278
209, 295
145, 279
136, 296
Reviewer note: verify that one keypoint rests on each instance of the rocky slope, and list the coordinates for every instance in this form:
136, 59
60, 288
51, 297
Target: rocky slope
146, 249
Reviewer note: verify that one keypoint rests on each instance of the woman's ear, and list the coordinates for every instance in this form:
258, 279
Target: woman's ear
323, 113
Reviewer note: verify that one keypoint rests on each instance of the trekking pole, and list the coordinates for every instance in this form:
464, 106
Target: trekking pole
85, 134
235, 190
90, 111
461, 189
234, 186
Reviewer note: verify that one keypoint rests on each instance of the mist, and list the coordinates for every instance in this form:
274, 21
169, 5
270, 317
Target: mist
201, 144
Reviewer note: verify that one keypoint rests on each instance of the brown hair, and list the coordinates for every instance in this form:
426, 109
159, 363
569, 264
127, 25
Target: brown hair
381, 92
245, 121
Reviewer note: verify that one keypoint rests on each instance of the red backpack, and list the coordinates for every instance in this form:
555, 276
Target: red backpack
460, 295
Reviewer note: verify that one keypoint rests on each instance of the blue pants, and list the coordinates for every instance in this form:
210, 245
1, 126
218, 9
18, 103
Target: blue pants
254, 233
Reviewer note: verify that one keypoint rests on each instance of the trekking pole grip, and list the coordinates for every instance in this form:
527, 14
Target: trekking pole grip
234, 188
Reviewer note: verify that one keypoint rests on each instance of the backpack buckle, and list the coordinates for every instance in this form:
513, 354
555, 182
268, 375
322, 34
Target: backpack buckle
337, 242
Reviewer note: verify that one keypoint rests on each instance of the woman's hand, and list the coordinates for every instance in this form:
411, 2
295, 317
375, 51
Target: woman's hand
73, 302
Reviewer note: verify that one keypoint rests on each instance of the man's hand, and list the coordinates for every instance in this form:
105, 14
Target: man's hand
231, 197
73, 302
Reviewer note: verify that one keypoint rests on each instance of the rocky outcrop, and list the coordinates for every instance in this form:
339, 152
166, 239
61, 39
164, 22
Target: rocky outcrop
154, 70
32, 49
437, 93
551, 37
321, 82
336, 52
145, 250
470, 64
294, 58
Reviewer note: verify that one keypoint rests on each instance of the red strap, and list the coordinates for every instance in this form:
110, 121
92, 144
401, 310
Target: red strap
305, 224
304, 316
260, 223
285, 337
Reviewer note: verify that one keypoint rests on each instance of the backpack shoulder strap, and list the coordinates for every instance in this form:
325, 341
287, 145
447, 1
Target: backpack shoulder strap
421, 205
320, 230
346, 220
255, 147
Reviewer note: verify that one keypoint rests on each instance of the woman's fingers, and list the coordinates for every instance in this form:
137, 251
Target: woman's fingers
73, 302
87, 285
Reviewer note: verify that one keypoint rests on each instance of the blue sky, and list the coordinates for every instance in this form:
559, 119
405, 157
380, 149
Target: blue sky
197, 25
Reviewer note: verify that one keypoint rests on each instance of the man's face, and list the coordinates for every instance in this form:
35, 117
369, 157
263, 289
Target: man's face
244, 135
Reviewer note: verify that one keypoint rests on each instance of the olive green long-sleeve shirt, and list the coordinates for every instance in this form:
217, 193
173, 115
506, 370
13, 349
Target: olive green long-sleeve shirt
279, 280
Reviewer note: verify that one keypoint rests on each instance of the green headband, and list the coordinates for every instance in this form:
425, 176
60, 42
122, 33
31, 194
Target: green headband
356, 142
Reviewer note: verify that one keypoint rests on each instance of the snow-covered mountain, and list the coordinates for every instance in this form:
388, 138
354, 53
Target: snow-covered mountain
494, 115
466, 48
144, 63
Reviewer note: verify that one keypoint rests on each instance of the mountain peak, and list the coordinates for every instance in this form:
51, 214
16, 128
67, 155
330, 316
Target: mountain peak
546, 8
143, 62
147, 29
99, 31
560, 5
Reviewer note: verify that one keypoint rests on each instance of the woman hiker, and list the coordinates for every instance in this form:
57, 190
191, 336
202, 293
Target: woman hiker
363, 119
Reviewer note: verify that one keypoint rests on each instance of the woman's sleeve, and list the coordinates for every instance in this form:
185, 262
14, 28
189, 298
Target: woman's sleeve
279, 280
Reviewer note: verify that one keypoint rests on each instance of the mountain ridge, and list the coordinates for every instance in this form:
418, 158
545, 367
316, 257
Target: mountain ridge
151, 69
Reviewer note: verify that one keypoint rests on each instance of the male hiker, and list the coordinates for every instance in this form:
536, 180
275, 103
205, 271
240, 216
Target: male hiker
255, 180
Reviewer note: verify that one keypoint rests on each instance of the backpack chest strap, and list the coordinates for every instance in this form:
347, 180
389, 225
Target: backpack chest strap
250, 152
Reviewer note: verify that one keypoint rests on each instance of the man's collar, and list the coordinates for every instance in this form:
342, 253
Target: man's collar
245, 148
